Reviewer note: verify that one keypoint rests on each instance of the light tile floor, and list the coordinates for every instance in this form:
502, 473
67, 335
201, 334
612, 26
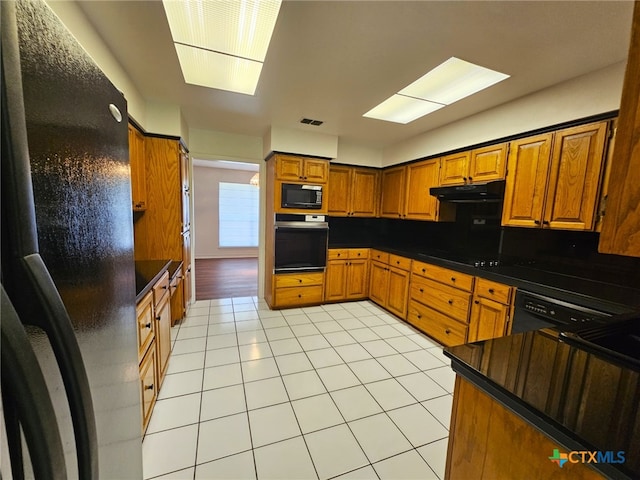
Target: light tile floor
335, 391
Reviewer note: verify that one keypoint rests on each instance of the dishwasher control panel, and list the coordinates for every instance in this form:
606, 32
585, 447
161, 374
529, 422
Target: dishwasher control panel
556, 310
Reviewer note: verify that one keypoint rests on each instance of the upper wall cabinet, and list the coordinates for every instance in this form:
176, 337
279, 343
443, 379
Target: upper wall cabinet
353, 191
393, 185
300, 169
553, 179
621, 224
138, 175
474, 166
419, 204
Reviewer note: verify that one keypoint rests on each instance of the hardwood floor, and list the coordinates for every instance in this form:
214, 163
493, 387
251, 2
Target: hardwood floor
226, 277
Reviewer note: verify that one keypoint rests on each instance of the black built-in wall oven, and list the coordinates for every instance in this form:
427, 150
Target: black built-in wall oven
300, 243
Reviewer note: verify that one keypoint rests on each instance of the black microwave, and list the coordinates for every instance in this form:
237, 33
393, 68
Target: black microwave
295, 195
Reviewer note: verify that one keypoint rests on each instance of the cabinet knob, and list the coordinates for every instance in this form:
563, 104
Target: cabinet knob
419, 316
447, 331
398, 262
148, 387
147, 325
476, 302
492, 291
158, 318
453, 279
299, 280
299, 295
339, 254
546, 222
424, 270
464, 178
450, 302
537, 222
470, 179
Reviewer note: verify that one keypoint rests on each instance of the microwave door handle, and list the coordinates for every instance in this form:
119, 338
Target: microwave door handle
26, 402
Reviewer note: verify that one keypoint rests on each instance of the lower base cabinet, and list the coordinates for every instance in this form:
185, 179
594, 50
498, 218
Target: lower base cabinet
347, 275
389, 282
298, 289
486, 440
153, 315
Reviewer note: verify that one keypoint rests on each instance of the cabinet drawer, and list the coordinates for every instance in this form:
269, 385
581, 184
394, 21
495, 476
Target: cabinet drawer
292, 296
161, 288
437, 325
494, 291
444, 275
144, 318
443, 298
380, 256
400, 262
358, 253
299, 279
337, 254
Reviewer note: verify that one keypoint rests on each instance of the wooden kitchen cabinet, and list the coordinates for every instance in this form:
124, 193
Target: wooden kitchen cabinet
389, 282
487, 440
393, 192
146, 324
347, 274
163, 231
177, 296
148, 386
621, 225
439, 302
137, 165
492, 310
353, 191
419, 203
474, 166
297, 289
162, 313
554, 179
301, 169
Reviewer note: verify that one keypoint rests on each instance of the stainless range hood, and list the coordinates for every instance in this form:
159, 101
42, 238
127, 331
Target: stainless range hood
473, 193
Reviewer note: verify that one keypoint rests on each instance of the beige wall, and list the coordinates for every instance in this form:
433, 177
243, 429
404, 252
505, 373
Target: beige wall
205, 203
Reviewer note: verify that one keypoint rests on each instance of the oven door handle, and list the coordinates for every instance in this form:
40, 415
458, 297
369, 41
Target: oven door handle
302, 225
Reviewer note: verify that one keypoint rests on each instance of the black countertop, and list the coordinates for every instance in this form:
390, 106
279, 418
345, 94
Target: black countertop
580, 400
149, 272
609, 298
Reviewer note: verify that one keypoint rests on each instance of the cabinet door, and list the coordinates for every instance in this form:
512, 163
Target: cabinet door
339, 185
398, 292
488, 163
574, 181
144, 315
489, 319
455, 169
392, 203
163, 336
357, 279
620, 224
364, 190
527, 171
148, 385
421, 176
289, 168
138, 175
378, 284
335, 280
315, 171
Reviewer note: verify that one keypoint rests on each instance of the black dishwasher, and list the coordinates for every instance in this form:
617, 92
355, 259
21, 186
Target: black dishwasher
534, 311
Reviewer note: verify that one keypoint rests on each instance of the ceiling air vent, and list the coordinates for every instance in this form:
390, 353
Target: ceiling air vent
310, 121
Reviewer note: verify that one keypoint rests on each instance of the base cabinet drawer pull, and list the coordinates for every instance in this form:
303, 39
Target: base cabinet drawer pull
299, 295
148, 387
450, 302
476, 302
419, 316
147, 325
453, 279
300, 281
447, 331
492, 291
422, 290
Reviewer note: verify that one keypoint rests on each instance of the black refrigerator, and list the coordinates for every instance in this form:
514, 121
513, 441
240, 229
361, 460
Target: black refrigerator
70, 382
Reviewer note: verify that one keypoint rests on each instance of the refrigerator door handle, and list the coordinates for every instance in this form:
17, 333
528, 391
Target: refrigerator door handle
26, 402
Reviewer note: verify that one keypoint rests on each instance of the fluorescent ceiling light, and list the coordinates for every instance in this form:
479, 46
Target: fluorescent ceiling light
447, 83
451, 81
238, 29
401, 109
214, 70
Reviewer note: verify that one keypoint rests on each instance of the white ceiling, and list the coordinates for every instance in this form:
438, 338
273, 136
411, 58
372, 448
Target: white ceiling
335, 60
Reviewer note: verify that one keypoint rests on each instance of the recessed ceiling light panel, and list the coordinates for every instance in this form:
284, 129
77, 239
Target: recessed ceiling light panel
402, 109
215, 70
447, 83
451, 81
236, 27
